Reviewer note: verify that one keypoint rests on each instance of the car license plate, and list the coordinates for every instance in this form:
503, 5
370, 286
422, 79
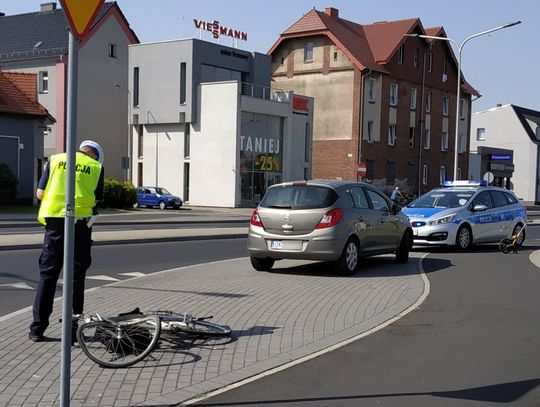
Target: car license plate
276, 244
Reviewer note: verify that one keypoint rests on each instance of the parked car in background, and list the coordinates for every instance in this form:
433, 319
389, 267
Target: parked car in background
464, 213
157, 196
335, 221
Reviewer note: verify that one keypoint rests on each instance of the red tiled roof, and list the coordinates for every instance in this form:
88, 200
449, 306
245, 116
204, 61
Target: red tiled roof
385, 37
434, 31
16, 95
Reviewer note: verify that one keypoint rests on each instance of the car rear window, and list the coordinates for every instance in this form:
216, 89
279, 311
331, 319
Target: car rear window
299, 197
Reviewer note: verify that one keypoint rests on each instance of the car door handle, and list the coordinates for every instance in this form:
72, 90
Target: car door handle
287, 227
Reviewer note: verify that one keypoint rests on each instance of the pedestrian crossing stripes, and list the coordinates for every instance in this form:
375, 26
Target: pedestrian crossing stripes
22, 286
101, 277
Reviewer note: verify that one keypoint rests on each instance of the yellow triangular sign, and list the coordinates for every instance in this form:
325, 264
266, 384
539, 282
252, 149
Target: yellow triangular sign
80, 14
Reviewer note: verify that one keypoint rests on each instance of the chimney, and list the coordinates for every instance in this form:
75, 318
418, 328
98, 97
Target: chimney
2, 14
332, 12
499, 104
48, 6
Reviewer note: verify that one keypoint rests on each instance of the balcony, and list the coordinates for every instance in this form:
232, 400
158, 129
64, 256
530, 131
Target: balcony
263, 92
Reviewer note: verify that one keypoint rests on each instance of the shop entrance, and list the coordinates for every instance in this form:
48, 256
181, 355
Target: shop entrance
254, 186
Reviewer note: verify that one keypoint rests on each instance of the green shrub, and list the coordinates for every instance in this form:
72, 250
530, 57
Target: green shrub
8, 185
118, 194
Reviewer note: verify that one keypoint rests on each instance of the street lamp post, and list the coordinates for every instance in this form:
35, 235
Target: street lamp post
458, 96
129, 130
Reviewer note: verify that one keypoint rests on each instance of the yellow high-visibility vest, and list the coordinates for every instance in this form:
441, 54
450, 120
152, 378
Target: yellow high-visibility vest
87, 172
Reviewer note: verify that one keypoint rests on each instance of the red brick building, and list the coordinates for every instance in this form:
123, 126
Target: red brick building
381, 98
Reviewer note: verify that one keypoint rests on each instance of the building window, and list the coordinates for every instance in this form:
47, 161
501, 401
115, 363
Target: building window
458, 173
371, 90
442, 174
140, 174
392, 135
425, 170
307, 143
480, 134
136, 86
416, 56
43, 84
401, 53
445, 103
462, 109
308, 52
112, 51
429, 62
393, 94
445, 73
335, 56
187, 139
182, 83
461, 143
390, 172
140, 139
281, 61
412, 132
413, 98
444, 141
186, 182
428, 101
370, 131
427, 139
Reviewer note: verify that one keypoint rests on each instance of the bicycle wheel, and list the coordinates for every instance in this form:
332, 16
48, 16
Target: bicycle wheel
205, 329
119, 342
504, 245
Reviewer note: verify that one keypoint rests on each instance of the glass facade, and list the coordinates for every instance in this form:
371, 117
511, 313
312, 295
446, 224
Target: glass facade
261, 155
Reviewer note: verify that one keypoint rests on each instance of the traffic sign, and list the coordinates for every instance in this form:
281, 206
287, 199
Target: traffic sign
362, 169
81, 14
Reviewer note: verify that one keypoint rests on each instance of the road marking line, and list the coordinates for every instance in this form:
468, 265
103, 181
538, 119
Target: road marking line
102, 277
22, 286
133, 274
278, 369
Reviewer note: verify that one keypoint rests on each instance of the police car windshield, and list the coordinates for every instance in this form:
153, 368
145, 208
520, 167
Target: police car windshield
442, 199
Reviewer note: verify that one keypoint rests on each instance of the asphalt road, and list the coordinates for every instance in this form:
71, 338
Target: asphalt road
20, 267
473, 342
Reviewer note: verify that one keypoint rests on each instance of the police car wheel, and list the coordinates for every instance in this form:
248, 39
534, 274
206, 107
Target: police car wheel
464, 238
518, 228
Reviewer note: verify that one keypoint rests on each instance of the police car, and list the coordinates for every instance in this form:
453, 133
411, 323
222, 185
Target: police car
463, 213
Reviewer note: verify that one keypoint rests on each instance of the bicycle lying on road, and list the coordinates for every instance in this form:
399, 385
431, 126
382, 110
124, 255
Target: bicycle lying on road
515, 242
123, 340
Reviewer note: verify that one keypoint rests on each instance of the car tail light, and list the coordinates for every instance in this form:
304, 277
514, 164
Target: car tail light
330, 218
256, 219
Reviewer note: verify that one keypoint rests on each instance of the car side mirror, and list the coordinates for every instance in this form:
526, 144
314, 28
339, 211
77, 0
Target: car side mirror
479, 208
395, 209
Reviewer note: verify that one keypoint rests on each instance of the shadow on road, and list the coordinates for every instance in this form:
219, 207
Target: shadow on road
497, 393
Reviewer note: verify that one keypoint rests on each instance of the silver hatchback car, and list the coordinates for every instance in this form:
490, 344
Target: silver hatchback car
335, 221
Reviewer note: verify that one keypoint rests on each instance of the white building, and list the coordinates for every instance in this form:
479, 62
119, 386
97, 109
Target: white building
512, 128
208, 127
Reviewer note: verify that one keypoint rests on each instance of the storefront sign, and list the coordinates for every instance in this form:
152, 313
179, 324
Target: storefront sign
216, 29
300, 105
269, 162
259, 145
501, 167
500, 157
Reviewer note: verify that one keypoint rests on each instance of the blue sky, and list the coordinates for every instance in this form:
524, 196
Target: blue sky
503, 65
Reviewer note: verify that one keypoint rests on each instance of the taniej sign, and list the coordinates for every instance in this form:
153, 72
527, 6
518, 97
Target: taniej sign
217, 29
81, 14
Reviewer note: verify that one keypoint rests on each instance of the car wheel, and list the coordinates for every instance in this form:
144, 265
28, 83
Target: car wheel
262, 264
464, 238
402, 253
162, 205
519, 228
348, 262
135, 205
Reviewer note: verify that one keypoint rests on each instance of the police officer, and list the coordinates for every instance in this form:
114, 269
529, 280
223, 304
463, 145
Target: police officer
51, 191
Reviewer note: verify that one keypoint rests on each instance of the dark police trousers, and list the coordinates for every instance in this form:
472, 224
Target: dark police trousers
50, 264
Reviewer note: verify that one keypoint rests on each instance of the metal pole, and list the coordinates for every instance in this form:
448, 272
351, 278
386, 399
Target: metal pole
458, 96
69, 226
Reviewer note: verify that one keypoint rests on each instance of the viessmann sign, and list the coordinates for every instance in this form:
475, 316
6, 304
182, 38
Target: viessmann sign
217, 29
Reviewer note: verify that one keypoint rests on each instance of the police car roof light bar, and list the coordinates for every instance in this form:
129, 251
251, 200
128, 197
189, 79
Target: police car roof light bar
462, 183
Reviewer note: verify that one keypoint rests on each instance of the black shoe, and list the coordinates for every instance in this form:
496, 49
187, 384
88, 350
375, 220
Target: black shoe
36, 337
